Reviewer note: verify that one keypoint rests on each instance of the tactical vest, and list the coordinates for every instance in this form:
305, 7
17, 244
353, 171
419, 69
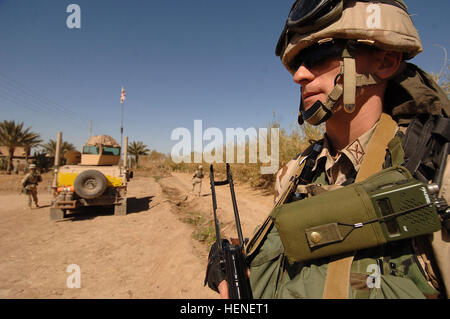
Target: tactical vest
198, 174
32, 179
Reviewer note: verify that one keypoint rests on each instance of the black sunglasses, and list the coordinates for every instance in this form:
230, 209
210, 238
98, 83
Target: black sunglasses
316, 54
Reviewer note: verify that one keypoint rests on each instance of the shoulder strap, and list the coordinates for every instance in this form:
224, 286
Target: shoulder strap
258, 236
302, 175
304, 164
338, 274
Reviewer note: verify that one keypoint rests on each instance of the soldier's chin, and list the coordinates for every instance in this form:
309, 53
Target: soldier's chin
309, 102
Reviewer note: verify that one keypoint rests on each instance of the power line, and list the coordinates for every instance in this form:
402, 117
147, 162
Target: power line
29, 91
42, 102
21, 100
39, 108
16, 102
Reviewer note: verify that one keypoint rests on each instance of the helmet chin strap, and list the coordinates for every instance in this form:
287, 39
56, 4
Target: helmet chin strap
349, 80
320, 112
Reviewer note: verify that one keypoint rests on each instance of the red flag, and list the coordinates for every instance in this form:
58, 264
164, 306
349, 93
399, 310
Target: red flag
122, 95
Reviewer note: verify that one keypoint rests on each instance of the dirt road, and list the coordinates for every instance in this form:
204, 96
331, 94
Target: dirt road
150, 253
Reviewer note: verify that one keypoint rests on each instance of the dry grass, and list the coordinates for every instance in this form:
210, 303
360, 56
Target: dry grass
290, 145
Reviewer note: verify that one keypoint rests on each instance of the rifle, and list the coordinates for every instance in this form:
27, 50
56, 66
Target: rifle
232, 256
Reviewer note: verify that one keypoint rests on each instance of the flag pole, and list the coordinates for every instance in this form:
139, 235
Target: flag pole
122, 100
121, 128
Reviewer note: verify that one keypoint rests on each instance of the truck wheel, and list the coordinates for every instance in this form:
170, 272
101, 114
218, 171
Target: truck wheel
56, 214
90, 184
121, 208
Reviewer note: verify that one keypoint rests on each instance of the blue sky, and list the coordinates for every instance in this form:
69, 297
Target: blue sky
178, 60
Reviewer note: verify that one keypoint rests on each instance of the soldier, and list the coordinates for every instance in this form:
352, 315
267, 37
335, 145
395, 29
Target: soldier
29, 184
16, 168
197, 178
349, 58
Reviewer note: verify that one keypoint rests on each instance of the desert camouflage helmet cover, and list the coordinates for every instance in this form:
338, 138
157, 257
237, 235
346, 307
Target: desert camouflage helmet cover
385, 24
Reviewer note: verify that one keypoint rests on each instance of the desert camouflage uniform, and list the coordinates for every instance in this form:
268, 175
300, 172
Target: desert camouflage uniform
197, 178
29, 183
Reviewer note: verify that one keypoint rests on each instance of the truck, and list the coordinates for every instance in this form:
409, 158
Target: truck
93, 177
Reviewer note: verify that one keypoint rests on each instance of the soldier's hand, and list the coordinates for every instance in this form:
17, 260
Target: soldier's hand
223, 287
215, 272
223, 290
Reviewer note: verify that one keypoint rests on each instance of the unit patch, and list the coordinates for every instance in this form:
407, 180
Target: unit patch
357, 151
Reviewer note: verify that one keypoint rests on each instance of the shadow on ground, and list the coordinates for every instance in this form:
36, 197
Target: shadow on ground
134, 205
137, 205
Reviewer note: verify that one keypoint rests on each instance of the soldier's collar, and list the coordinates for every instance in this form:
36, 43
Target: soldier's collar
354, 151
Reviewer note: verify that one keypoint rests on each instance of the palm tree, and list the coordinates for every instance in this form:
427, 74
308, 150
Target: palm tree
13, 135
50, 147
137, 149
28, 145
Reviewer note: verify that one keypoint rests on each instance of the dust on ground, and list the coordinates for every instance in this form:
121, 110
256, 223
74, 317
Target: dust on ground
156, 251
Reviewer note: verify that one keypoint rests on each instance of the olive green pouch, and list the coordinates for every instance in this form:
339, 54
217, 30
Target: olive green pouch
340, 221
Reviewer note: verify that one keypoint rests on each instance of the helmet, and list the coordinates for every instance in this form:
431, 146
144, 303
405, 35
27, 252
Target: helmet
200, 167
384, 24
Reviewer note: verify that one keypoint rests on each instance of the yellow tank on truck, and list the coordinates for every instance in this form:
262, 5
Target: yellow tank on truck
68, 173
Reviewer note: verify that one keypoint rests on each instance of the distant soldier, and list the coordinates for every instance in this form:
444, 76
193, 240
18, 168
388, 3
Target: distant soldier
197, 178
25, 168
16, 168
29, 184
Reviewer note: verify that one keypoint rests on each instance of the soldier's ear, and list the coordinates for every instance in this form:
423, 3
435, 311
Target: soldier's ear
388, 63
